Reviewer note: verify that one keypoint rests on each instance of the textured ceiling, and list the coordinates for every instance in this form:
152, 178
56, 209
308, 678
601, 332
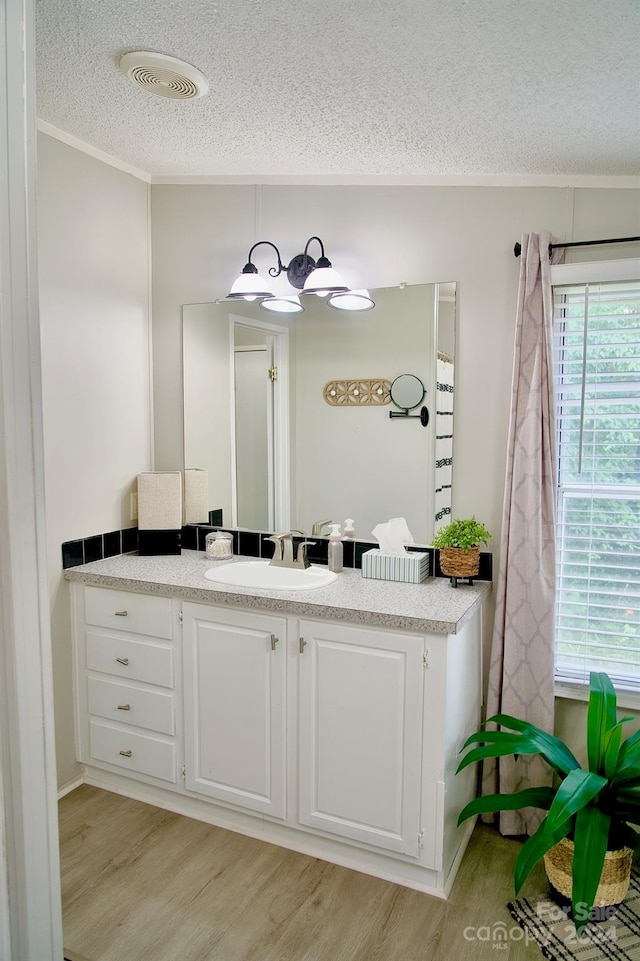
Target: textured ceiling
386, 88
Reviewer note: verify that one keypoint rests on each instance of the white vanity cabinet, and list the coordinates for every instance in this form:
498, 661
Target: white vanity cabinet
360, 708
125, 684
234, 673
328, 733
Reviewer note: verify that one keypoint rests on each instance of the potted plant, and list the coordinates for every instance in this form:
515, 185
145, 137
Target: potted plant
459, 546
585, 839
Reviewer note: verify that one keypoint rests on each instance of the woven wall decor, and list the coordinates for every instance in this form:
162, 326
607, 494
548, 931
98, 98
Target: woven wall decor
347, 393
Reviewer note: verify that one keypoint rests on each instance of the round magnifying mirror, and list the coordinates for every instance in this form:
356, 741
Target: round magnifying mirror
407, 391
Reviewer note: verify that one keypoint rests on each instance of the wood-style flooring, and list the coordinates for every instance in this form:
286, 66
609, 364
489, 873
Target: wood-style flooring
143, 884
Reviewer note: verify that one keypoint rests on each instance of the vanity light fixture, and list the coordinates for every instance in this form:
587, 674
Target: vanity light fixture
282, 305
351, 300
305, 274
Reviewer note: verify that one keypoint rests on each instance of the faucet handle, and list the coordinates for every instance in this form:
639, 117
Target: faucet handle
316, 529
277, 540
301, 556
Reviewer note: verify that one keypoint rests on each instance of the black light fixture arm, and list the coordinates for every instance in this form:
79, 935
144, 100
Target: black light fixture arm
298, 268
322, 260
273, 271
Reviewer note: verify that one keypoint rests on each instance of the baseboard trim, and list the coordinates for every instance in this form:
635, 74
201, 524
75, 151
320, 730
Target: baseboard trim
399, 871
67, 789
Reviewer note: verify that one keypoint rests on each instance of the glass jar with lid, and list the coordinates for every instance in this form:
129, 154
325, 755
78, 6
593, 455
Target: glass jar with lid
219, 546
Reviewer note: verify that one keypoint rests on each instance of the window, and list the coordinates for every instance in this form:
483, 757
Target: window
597, 371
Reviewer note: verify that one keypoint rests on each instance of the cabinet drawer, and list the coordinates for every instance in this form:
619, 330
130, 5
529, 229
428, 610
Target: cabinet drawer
123, 611
153, 710
142, 753
127, 657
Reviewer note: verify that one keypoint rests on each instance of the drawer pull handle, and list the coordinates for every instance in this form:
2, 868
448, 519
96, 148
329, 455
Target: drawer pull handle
124, 707
121, 613
126, 753
274, 641
303, 644
123, 660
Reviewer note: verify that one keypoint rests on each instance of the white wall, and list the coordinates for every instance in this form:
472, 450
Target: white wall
377, 237
380, 236
94, 307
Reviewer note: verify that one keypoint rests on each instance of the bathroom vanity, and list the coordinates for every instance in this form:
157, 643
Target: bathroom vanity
327, 721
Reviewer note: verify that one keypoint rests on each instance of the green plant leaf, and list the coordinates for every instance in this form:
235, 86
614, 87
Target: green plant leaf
462, 533
624, 803
495, 750
554, 751
628, 757
591, 834
634, 739
629, 792
601, 717
535, 797
492, 737
535, 848
576, 791
613, 740
627, 775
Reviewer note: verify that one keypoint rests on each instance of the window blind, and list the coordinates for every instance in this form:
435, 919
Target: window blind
597, 374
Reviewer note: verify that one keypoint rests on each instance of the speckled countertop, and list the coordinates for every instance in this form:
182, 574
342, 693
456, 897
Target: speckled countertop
433, 606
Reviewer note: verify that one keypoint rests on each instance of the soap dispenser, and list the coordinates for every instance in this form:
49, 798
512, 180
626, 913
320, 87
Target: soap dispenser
334, 552
349, 529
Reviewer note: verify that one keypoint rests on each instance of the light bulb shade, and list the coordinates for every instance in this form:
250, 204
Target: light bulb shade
282, 305
352, 300
250, 286
324, 281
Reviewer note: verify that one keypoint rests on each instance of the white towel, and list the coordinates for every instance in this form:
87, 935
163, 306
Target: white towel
160, 500
196, 496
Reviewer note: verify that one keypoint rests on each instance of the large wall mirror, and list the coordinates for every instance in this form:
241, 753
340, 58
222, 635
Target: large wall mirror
282, 454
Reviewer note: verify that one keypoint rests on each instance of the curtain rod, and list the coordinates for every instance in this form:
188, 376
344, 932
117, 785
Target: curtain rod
517, 250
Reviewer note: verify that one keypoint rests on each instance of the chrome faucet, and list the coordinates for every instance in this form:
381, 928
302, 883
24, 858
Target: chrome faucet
316, 529
283, 553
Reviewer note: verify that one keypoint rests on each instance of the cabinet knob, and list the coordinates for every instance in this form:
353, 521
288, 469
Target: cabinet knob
274, 641
123, 660
121, 613
126, 753
124, 707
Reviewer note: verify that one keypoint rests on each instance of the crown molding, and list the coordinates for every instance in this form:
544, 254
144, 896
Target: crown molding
75, 142
402, 180
345, 180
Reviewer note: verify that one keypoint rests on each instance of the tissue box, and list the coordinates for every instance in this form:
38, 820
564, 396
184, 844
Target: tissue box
410, 568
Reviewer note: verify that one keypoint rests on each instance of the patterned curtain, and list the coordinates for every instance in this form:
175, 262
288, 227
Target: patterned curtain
522, 656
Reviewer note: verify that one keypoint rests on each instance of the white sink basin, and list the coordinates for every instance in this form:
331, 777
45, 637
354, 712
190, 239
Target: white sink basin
261, 574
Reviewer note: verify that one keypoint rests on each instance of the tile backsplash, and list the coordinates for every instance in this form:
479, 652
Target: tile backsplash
247, 543
98, 546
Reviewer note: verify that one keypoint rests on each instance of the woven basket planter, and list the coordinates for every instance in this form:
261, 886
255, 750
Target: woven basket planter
454, 562
614, 880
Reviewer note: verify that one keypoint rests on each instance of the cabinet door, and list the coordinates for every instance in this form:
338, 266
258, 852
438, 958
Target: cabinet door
361, 696
234, 707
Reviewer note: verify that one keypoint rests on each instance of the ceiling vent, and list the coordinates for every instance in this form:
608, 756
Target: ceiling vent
164, 76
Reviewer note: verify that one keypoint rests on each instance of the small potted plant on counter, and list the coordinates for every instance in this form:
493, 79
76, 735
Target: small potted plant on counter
459, 546
585, 839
